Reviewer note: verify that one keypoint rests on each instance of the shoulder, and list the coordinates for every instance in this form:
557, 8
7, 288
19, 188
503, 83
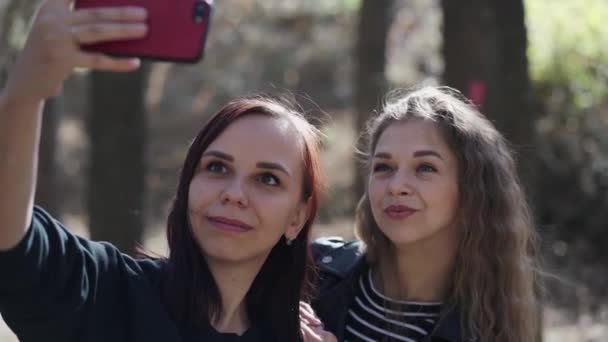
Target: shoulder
336, 255
152, 268
96, 258
339, 262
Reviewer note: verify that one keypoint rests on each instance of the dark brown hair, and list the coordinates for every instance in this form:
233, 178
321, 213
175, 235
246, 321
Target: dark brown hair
189, 290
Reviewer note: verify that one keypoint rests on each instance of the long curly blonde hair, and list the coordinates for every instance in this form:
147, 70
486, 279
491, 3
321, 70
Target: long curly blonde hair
494, 280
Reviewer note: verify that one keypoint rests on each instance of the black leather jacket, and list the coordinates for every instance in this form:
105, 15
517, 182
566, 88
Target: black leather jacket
340, 265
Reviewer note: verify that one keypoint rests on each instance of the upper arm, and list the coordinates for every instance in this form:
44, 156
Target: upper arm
53, 275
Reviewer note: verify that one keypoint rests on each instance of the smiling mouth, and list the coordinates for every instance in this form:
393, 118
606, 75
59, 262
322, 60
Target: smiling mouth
226, 224
399, 212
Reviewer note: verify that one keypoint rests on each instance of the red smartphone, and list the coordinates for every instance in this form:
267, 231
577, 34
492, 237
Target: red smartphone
177, 30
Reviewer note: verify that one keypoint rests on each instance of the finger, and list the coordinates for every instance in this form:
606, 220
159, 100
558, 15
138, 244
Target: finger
326, 336
308, 313
100, 14
310, 319
309, 335
313, 323
101, 62
306, 306
95, 33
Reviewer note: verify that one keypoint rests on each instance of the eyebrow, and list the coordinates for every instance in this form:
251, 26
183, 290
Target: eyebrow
261, 165
219, 154
422, 153
425, 153
272, 166
383, 155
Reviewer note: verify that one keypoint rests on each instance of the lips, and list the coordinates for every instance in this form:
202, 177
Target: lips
399, 212
227, 224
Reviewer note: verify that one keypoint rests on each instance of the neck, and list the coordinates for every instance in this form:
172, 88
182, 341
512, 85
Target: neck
233, 280
418, 272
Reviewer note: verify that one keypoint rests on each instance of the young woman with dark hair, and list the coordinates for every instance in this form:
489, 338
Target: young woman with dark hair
447, 235
237, 231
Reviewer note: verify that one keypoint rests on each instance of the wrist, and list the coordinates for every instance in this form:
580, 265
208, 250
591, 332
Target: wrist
18, 91
9, 101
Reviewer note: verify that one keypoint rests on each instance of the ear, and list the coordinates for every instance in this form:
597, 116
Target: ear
298, 220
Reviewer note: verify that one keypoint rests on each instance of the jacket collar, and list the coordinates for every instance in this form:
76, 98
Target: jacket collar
347, 263
342, 262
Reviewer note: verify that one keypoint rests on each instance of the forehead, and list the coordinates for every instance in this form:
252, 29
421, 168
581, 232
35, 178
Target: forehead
260, 138
412, 136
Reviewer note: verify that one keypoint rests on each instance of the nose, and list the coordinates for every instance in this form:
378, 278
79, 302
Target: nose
234, 194
400, 185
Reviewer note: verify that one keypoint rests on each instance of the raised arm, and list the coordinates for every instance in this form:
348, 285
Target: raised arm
50, 55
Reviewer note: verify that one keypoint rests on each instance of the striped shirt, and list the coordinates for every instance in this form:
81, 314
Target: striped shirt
375, 317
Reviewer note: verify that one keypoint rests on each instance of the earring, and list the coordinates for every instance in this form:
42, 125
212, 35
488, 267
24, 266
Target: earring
288, 241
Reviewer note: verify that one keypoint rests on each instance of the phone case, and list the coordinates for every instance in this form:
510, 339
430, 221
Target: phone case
177, 30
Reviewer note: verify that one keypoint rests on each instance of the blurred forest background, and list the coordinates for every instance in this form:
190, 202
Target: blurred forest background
113, 144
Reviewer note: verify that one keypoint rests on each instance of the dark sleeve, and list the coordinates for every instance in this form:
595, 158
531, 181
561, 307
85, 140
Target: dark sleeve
50, 280
325, 245
335, 258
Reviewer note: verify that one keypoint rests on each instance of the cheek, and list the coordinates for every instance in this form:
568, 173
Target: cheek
276, 209
376, 194
200, 193
284, 211
375, 191
193, 190
445, 197
192, 195
453, 200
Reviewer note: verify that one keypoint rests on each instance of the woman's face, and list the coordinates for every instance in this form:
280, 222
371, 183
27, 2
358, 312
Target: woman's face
247, 190
413, 186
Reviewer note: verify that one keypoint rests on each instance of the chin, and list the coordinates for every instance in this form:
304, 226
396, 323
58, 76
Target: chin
406, 241
230, 253
403, 238
221, 249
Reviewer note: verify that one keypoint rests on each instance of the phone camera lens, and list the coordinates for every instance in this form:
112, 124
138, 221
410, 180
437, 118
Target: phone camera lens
199, 12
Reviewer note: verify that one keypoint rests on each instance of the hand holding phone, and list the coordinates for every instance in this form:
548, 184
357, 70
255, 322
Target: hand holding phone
177, 30
52, 49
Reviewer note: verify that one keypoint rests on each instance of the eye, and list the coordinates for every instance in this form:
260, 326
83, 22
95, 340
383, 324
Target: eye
269, 179
381, 167
216, 167
426, 168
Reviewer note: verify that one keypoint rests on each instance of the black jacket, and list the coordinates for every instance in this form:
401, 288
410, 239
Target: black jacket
340, 265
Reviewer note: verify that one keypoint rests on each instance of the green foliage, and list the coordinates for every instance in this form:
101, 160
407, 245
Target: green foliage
15, 22
569, 66
351, 4
569, 46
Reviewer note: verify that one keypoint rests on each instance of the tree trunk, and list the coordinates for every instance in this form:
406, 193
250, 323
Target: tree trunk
484, 50
485, 58
370, 59
116, 175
